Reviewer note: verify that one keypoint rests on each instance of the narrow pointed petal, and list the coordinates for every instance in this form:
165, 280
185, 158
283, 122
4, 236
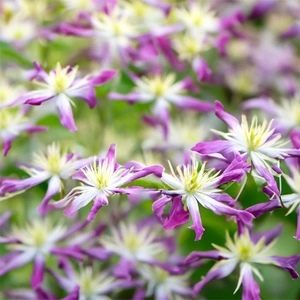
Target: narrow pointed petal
99, 201
103, 77
65, 111
38, 271
287, 263
251, 289
54, 186
80, 201
230, 120
193, 208
219, 272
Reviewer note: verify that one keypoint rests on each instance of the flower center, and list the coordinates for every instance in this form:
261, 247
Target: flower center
61, 79
101, 174
160, 275
9, 117
158, 86
86, 281
54, 161
192, 178
257, 134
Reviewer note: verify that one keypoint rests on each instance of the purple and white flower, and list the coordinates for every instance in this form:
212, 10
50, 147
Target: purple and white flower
163, 285
194, 185
163, 91
87, 283
60, 86
101, 180
258, 143
244, 251
54, 165
279, 111
12, 123
34, 243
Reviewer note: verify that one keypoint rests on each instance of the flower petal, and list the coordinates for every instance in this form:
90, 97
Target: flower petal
65, 111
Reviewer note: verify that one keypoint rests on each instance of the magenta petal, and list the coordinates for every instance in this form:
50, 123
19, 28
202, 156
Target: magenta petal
74, 295
6, 146
230, 120
187, 102
99, 201
38, 271
287, 263
12, 185
73, 252
193, 208
155, 170
196, 256
111, 153
292, 32
54, 187
268, 235
216, 273
97, 253
211, 147
65, 111
261, 103
103, 77
251, 289
202, 69
123, 269
177, 215
159, 205
259, 209
16, 261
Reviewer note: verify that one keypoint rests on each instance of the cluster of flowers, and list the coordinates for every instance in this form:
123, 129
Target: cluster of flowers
162, 59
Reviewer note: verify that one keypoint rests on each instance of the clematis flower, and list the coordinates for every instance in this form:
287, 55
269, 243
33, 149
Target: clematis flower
53, 165
189, 48
198, 19
101, 180
244, 251
163, 285
8, 92
113, 33
163, 91
35, 242
60, 85
194, 185
258, 143
132, 243
12, 123
278, 111
87, 283
137, 245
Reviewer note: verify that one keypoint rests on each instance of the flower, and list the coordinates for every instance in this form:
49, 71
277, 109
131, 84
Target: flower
136, 245
53, 165
164, 285
259, 143
163, 91
198, 19
279, 111
133, 243
35, 242
12, 123
245, 251
61, 85
102, 179
194, 184
87, 283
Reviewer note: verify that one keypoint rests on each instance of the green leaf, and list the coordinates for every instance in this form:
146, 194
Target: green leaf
7, 52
